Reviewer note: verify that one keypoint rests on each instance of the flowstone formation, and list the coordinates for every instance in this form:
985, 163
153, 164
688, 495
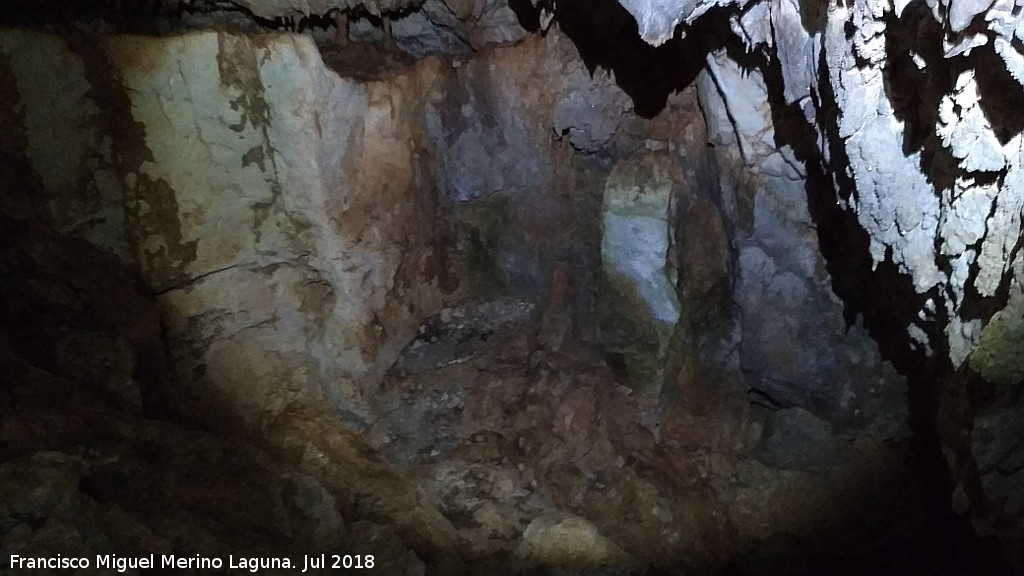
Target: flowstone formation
550, 287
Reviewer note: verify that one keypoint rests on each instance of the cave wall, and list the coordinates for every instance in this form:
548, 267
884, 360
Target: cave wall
266, 249
795, 345
293, 225
296, 227
908, 108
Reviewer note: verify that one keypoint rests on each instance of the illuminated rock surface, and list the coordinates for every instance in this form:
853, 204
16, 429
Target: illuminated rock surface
490, 287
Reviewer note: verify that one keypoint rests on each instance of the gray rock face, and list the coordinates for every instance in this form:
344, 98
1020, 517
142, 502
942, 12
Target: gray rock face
658, 19
436, 27
782, 288
638, 286
229, 225
926, 155
975, 221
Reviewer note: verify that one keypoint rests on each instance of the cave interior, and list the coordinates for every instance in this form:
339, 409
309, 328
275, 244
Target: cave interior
468, 287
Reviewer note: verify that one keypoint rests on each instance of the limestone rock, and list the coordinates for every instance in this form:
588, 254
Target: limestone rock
638, 294
567, 541
782, 285
236, 175
435, 28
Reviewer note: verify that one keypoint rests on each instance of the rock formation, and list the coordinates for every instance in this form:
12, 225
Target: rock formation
657, 286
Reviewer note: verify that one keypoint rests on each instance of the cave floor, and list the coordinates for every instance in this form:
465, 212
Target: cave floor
503, 433
508, 432
490, 452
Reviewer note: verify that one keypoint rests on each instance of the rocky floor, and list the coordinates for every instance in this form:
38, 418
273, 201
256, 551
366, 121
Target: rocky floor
490, 454
508, 459
517, 442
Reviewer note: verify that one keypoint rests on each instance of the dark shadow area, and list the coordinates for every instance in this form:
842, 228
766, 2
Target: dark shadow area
913, 40
527, 14
133, 16
40, 12
56, 289
1002, 97
607, 37
366, 61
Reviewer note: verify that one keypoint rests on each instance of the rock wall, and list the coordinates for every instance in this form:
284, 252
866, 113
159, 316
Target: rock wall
259, 195
295, 225
906, 108
782, 286
467, 293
